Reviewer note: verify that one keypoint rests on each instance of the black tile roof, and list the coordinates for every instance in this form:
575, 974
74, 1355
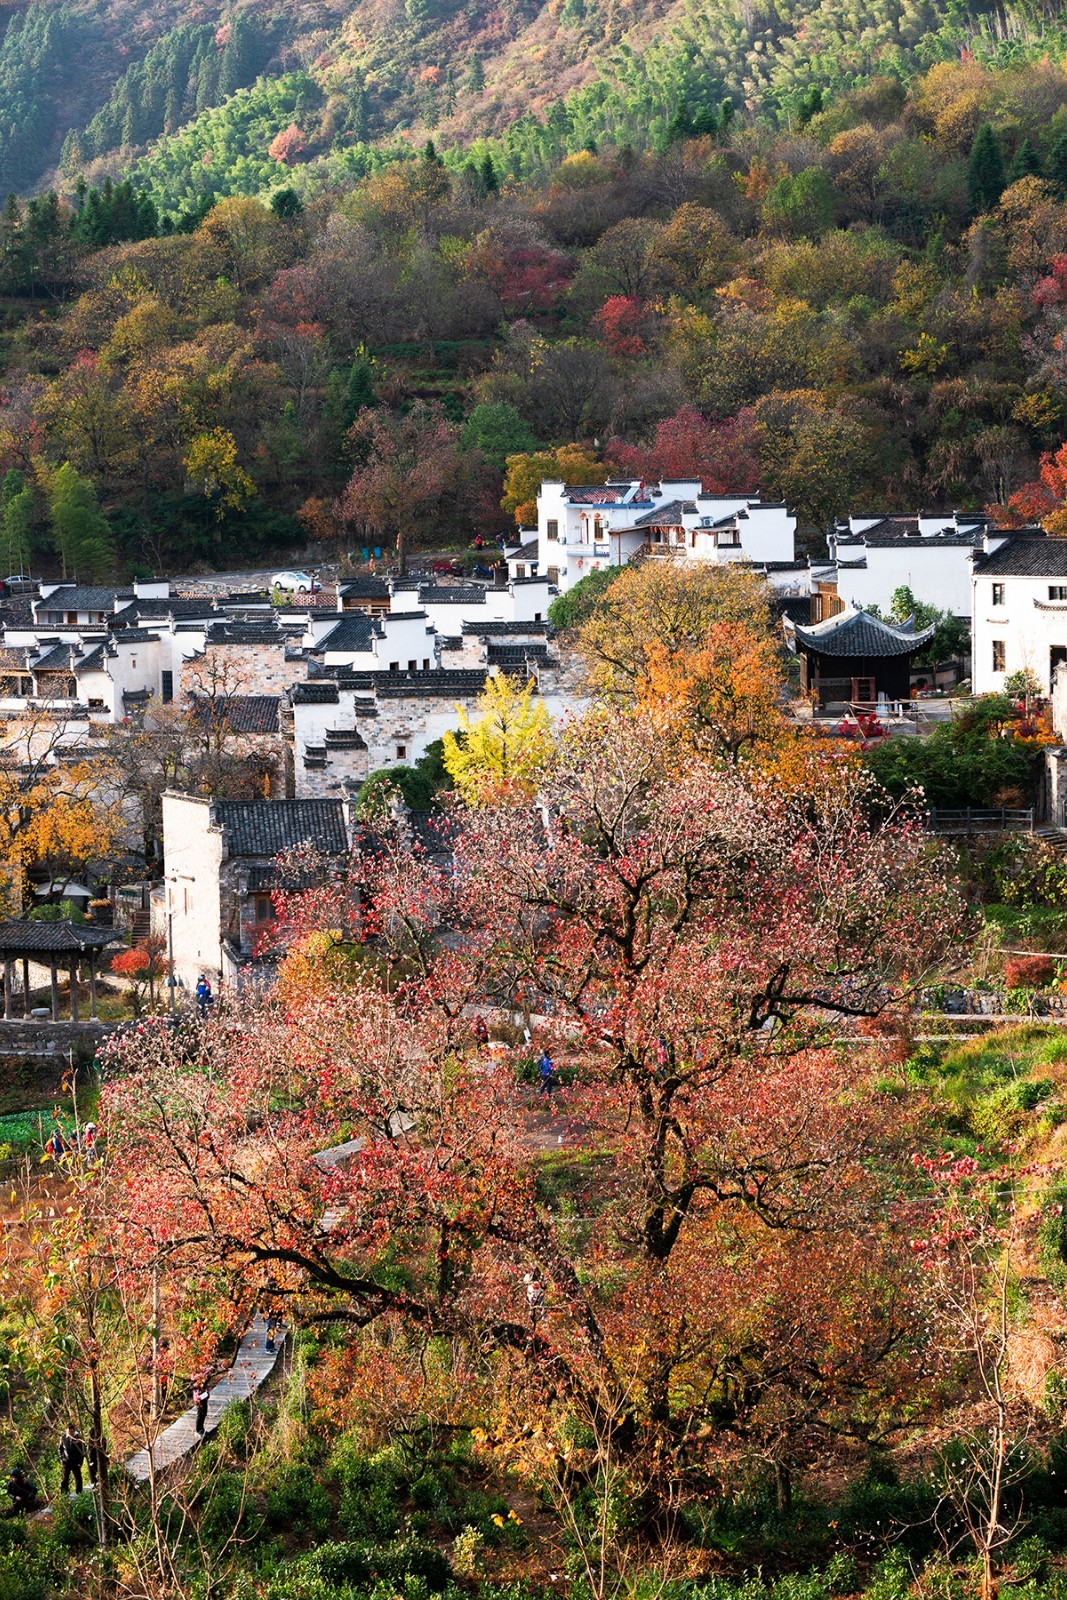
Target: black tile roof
525, 552
462, 594
321, 692
450, 683
243, 713
353, 632
366, 588
854, 633
53, 938
504, 629
266, 632
60, 658
1028, 555
507, 655
159, 610
267, 827
668, 514
75, 597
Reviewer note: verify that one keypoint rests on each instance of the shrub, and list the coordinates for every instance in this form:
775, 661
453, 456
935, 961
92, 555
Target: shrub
412, 1558
297, 1499
336, 1562
1004, 1113
1029, 972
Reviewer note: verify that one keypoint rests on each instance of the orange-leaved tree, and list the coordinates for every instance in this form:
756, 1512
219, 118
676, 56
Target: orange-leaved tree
1044, 500
571, 463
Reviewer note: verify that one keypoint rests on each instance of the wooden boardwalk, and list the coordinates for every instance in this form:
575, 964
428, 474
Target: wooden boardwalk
252, 1365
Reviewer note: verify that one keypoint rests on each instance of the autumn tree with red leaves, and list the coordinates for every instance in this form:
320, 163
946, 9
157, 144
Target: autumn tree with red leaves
723, 455
288, 146
411, 463
690, 941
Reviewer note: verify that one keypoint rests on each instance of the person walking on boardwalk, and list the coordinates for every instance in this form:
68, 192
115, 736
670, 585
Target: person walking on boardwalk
72, 1458
547, 1068
200, 1399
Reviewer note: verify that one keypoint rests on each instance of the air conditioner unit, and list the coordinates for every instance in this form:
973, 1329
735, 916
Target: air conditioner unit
707, 522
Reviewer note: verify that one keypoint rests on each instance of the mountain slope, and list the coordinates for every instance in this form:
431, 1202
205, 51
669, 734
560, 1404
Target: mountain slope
195, 96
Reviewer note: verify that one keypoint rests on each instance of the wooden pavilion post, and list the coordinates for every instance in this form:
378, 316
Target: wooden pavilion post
25, 987
92, 986
55, 990
74, 989
9, 979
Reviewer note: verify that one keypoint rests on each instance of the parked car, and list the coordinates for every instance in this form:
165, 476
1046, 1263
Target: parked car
295, 583
453, 569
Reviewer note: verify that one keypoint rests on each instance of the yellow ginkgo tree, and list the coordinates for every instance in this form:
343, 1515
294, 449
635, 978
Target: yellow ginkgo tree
505, 745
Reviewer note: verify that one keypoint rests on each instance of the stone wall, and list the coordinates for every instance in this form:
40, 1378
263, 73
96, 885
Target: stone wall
259, 668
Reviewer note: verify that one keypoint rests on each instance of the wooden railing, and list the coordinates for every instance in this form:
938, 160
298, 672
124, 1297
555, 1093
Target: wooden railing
975, 820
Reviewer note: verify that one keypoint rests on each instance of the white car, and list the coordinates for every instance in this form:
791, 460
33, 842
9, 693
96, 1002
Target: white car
295, 583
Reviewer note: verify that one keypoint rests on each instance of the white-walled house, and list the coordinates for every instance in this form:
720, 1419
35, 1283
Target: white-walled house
583, 529
929, 553
1019, 610
221, 869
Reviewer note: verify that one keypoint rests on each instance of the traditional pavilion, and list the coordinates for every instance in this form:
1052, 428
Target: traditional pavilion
66, 945
855, 659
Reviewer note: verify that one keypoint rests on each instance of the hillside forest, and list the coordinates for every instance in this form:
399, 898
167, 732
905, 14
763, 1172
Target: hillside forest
856, 302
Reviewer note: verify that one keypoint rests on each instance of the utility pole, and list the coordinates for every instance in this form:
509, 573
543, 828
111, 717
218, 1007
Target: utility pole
171, 980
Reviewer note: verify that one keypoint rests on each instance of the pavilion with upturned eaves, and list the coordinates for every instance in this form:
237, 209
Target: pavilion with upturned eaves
66, 946
855, 659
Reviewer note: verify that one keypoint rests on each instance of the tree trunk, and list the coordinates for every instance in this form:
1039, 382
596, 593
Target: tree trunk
783, 1486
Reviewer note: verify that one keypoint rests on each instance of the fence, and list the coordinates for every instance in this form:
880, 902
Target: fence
972, 821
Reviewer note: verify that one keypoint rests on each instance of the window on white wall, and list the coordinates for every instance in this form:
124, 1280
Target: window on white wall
998, 594
1057, 591
998, 655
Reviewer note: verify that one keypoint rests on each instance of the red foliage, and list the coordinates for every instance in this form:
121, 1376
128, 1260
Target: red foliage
723, 455
622, 322
1044, 501
684, 933
130, 963
1052, 290
1028, 972
527, 276
288, 146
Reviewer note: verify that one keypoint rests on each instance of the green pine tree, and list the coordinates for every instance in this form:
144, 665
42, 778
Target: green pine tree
1026, 163
985, 171
476, 77
487, 173
359, 391
681, 125
449, 99
1057, 164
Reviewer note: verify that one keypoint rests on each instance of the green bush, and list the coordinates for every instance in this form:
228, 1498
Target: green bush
412, 1558
1003, 1114
370, 1488
336, 1562
298, 1500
